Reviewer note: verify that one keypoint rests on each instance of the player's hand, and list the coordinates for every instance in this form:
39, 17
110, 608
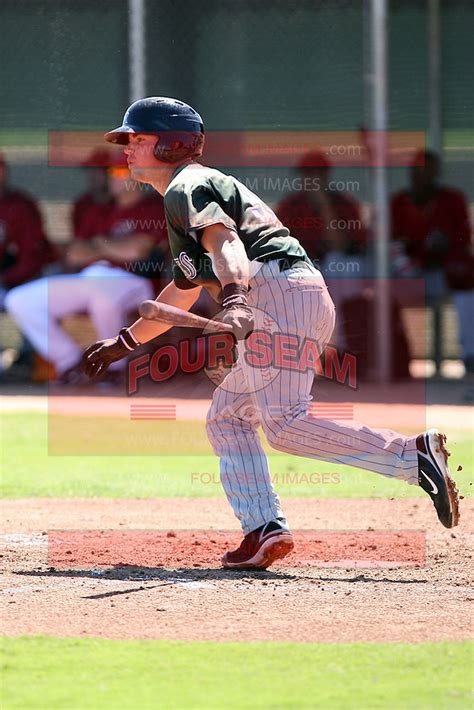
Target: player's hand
240, 317
97, 358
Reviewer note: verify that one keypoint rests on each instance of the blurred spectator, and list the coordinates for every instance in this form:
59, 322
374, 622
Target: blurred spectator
328, 224
25, 252
24, 249
97, 192
118, 249
430, 223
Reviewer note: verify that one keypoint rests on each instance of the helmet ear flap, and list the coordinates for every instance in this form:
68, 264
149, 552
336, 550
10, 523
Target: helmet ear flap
198, 144
173, 146
156, 149
170, 150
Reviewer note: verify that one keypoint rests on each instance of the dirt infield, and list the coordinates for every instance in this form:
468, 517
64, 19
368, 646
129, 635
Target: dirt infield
154, 572
201, 548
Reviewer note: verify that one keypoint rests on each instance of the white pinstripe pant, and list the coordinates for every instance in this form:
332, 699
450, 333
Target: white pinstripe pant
277, 399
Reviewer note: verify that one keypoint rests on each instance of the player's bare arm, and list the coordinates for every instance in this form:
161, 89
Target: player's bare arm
230, 259
145, 330
230, 263
131, 248
79, 254
97, 358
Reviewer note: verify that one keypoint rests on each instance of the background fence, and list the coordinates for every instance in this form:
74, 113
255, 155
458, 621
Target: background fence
245, 65
252, 64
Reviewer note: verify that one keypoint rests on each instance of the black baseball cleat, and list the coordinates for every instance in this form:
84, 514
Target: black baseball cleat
434, 478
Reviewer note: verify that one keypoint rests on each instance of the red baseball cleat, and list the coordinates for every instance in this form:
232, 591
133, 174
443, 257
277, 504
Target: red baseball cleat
260, 548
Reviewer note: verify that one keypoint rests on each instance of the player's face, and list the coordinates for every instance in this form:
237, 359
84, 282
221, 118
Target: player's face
141, 158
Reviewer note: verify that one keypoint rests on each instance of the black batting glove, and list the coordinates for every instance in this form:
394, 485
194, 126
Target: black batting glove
237, 313
96, 359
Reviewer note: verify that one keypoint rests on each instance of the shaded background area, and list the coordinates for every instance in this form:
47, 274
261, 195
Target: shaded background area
251, 65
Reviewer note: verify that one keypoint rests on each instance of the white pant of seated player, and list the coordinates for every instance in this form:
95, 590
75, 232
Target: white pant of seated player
105, 293
278, 400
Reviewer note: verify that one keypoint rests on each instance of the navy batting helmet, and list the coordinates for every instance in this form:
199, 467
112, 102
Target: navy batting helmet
177, 126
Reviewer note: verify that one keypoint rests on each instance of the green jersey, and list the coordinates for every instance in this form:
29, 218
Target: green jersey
198, 197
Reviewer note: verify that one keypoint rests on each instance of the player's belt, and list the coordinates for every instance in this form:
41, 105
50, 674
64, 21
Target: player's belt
281, 264
289, 261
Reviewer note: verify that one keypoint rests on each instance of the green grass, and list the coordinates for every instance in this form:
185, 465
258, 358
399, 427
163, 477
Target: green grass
42, 672
32, 467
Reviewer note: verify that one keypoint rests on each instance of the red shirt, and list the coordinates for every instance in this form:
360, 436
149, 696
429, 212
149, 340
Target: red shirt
445, 214
115, 222
306, 224
82, 206
24, 249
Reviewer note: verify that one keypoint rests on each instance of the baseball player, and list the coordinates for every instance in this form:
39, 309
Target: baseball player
225, 239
